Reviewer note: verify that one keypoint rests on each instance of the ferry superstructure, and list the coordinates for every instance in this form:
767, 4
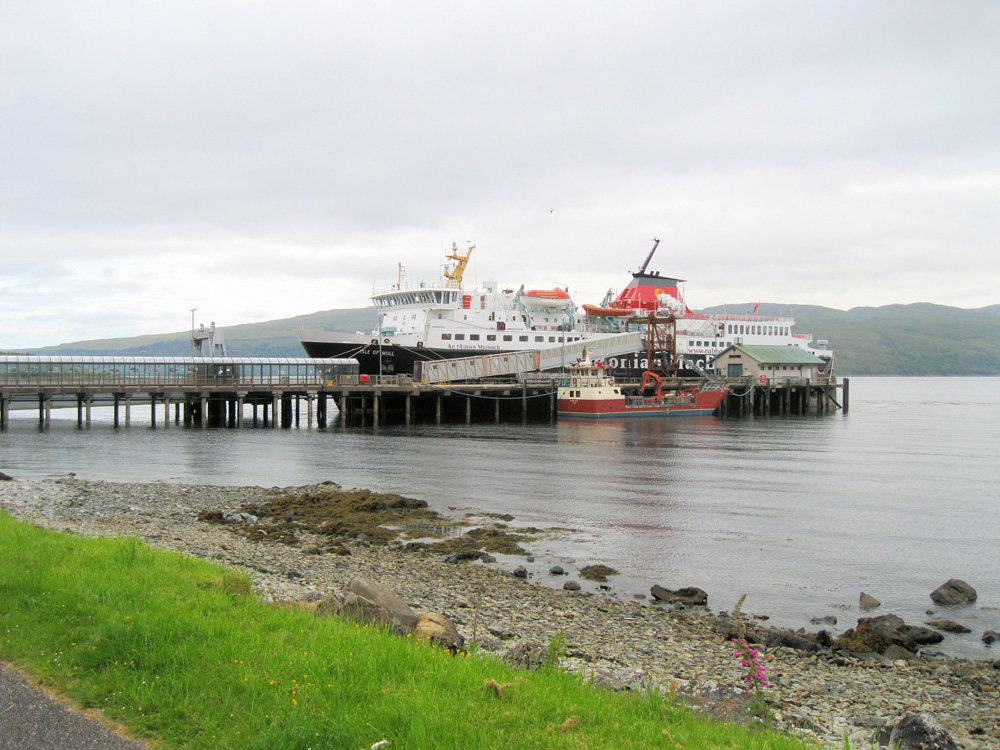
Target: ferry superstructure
442, 320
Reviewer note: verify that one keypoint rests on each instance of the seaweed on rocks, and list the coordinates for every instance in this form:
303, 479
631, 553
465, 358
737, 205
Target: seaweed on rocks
597, 573
476, 541
360, 515
343, 515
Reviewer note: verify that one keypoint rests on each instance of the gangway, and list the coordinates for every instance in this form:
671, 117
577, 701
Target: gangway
530, 360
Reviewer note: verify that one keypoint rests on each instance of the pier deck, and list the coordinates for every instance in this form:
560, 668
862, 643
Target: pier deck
218, 391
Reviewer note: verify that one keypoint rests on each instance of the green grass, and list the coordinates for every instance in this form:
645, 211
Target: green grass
179, 651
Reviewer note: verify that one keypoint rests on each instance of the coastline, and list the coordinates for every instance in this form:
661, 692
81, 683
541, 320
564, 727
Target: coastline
622, 644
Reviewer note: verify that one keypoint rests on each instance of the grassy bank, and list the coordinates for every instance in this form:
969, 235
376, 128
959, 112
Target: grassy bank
178, 650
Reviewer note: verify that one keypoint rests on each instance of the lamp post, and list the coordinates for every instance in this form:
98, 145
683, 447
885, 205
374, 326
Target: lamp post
192, 330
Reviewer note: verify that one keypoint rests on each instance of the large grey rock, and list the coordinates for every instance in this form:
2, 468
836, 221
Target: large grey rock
953, 592
372, 604
920, 732
687, 595
990, 636
875, 634
5, 477
775, 638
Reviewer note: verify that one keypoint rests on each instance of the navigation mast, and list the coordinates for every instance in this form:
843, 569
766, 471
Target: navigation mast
454, 274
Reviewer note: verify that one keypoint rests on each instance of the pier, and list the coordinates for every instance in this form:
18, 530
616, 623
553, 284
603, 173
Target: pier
765, 397
277, 391
285, 391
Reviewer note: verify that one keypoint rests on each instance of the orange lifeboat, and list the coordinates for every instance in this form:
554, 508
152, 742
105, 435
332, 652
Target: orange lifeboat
606, 312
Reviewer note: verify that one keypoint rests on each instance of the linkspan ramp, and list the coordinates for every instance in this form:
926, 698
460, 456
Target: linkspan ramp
505, 364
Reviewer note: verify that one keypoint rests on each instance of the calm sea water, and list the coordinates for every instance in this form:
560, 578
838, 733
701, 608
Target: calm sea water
801, 513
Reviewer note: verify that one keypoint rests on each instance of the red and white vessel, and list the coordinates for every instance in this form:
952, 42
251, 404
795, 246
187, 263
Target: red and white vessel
699, 336
591, 391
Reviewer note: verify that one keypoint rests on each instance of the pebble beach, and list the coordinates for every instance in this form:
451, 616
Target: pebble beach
820, 696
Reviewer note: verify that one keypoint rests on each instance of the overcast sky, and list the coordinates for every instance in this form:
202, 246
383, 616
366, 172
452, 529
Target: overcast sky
258, 160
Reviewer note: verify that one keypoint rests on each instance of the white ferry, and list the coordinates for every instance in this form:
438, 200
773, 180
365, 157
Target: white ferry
442, 320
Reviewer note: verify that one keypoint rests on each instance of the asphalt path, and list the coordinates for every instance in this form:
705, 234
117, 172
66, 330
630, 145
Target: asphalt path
30, 720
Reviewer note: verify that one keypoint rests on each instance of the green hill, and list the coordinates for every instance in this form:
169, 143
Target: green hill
272, 338
918, 339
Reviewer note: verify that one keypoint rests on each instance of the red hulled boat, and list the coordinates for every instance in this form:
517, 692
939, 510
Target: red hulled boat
591, 392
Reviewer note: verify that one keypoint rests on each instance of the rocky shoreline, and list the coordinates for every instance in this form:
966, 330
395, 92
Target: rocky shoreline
814, 691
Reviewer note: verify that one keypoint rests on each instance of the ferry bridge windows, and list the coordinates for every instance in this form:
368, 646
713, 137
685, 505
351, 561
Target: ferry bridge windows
459, 337
522, 338
552, 339
446, 337
473, 337
508, 337
491, 337
539, 338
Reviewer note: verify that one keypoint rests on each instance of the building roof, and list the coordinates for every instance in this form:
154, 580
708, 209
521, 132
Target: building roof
778, 355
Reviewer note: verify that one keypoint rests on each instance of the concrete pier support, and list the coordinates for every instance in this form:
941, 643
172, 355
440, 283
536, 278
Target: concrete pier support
468, 409
128, 410
409, 398
275, 403
438, 406
321, 410
376, 407
4, 412
239, 410
309, 412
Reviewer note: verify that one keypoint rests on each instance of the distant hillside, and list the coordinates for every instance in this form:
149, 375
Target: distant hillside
918, 339
272, 338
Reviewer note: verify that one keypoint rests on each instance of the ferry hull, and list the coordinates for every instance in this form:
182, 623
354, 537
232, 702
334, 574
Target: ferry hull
392, 358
